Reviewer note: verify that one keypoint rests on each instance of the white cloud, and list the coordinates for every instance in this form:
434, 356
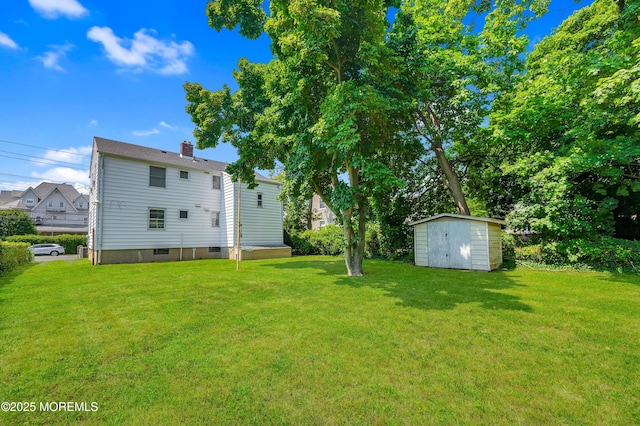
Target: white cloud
144, 52
51, 59
70, 155
166, 125
146, 132
93, 123
6, 41
52, 9
64, 174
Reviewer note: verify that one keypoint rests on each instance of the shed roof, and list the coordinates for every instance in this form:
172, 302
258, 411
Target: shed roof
153, 155
458, 216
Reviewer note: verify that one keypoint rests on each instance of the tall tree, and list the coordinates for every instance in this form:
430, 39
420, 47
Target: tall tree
326, 107
568, 134
458, 56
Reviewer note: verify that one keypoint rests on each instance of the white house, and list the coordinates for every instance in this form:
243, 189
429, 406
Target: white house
150, 205
56, 208
458, 242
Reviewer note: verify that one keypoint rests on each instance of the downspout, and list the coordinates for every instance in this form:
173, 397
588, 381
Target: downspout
99, 209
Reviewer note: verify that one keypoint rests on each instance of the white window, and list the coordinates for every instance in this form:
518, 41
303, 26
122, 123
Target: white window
30, 201
184, 174
322, 224
215, 219
157, 176
61, 204
321, 204
184, 214
156, 218
260, 199
216, 182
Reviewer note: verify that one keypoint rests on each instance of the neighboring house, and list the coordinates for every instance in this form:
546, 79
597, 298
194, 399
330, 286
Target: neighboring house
55, 208
151, 205
321, 214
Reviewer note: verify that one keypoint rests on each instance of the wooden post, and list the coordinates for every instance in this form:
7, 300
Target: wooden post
238, 249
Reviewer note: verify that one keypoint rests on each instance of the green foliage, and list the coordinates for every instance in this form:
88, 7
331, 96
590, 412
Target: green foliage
530, 253
15, 222
601, 252
328, 240
70, 242
13, 254
325, 107
565, 152
508, 249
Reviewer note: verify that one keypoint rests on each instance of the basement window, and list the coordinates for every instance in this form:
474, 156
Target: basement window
214, 249
158, 252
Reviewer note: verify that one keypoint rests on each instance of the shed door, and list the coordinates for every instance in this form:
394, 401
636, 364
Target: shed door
450, 244
459, 244
438, 244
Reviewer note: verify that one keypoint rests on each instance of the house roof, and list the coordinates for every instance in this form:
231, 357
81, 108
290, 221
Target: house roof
153, 155
458, 216
46, 188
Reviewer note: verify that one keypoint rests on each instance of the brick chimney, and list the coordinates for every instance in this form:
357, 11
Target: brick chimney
186, 149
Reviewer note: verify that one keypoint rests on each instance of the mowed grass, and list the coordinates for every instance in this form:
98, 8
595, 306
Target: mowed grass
295, 341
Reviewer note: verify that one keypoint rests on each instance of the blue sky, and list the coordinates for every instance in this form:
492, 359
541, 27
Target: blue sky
74, 69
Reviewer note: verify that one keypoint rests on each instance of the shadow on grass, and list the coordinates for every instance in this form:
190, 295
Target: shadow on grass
633, 279
419, 287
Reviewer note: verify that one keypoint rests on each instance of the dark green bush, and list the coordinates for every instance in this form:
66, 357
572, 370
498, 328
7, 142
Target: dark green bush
508, 249
13, 254
328, 240
599, 252
68, 241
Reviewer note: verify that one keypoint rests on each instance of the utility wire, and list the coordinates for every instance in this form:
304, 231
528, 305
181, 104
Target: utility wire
46, 162
48, 149
31, 158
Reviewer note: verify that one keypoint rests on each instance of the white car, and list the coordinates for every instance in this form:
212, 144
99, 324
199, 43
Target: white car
50, 249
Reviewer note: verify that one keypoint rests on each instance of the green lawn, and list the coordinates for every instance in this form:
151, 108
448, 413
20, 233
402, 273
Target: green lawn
295, 341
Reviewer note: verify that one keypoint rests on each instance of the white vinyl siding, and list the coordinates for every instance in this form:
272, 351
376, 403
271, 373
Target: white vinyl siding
127, 198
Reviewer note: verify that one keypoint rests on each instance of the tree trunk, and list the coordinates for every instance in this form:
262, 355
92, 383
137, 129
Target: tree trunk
310, 214
452, 180
355, 242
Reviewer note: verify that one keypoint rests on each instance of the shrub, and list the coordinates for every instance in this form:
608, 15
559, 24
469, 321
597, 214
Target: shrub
68, 241
328, 240
531, 253
508, 249
13, 254
599, 252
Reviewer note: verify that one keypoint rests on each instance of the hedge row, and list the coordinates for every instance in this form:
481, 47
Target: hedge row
13, 254
601, 253
68, 241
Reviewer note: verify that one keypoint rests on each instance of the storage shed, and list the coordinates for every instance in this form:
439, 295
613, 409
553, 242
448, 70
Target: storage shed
458, 242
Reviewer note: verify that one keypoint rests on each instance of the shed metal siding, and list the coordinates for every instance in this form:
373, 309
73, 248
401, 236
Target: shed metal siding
458, 242
421, 248
495, 245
